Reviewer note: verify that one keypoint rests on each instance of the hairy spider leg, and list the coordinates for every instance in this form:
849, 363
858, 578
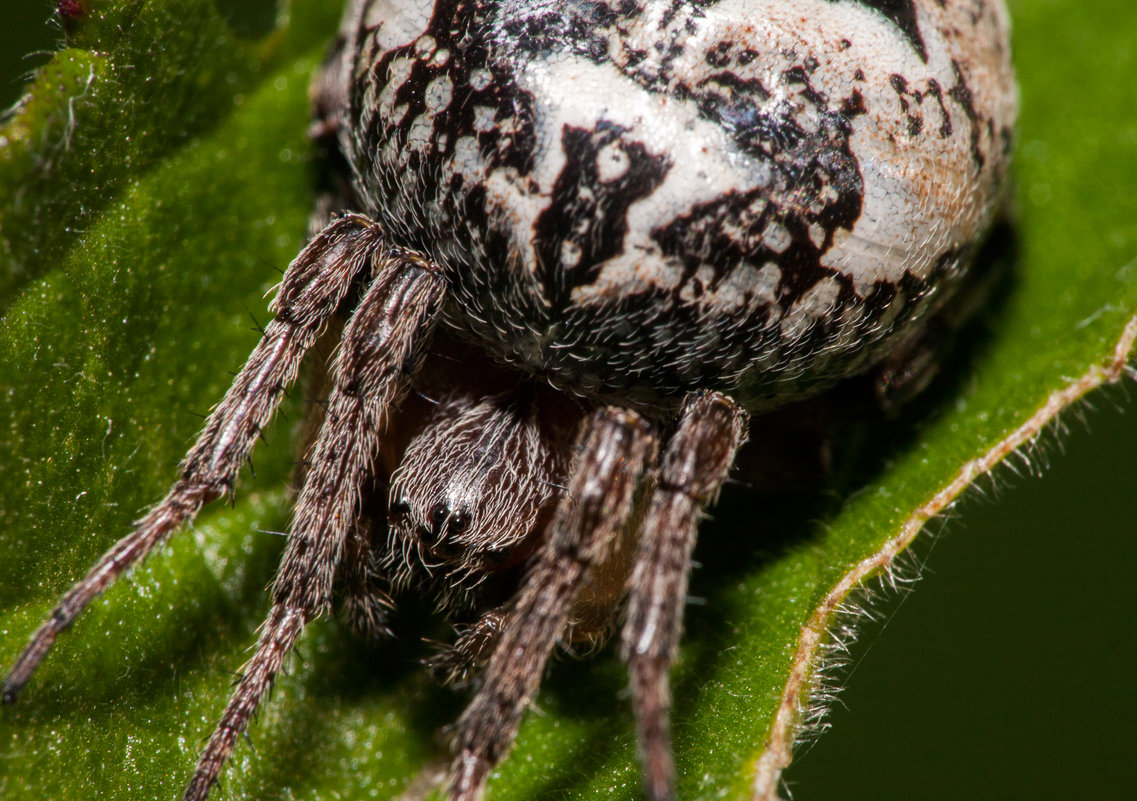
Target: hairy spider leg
362, 598
613, 450
383, 344
459, 662
313, 287
695, 464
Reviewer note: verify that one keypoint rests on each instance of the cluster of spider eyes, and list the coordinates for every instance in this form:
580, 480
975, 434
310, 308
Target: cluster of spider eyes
443, 521
440, 537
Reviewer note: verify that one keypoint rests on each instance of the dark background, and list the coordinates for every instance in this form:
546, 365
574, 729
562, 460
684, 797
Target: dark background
1009, 672
24, 29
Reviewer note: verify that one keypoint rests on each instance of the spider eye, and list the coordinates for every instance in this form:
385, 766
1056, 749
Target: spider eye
438, 516
459, 521
398, 512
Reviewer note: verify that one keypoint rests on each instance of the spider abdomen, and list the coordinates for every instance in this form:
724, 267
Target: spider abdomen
639, 199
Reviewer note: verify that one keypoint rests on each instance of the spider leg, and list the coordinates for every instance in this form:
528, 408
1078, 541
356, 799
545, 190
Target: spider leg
693, 468
313, 287
360, 596
383, 343
457, 662
612, 452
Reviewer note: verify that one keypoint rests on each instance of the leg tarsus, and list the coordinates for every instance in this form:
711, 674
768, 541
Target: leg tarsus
456, 663
277, 638
182, 503
694, 466
361, 599
652, 694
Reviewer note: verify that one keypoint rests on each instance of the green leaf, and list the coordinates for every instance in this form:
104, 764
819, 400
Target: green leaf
151, 186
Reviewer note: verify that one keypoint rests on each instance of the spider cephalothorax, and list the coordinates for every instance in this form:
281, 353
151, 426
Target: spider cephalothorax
577, 243
495, 451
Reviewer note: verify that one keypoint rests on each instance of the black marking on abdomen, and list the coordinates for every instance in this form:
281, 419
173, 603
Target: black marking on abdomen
961, 94
902, 14
587, 215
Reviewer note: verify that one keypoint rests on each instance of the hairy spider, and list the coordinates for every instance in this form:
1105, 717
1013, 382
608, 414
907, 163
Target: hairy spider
575, 245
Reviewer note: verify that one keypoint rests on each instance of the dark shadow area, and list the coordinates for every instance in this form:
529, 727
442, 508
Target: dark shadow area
354, 666
27, 38
249, 19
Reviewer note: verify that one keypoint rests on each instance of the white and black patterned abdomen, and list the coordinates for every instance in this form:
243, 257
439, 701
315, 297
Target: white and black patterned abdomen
636, 199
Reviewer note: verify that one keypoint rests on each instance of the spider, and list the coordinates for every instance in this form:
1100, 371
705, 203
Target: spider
573, 248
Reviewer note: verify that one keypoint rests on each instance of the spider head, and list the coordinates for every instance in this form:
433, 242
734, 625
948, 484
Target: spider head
475, 486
